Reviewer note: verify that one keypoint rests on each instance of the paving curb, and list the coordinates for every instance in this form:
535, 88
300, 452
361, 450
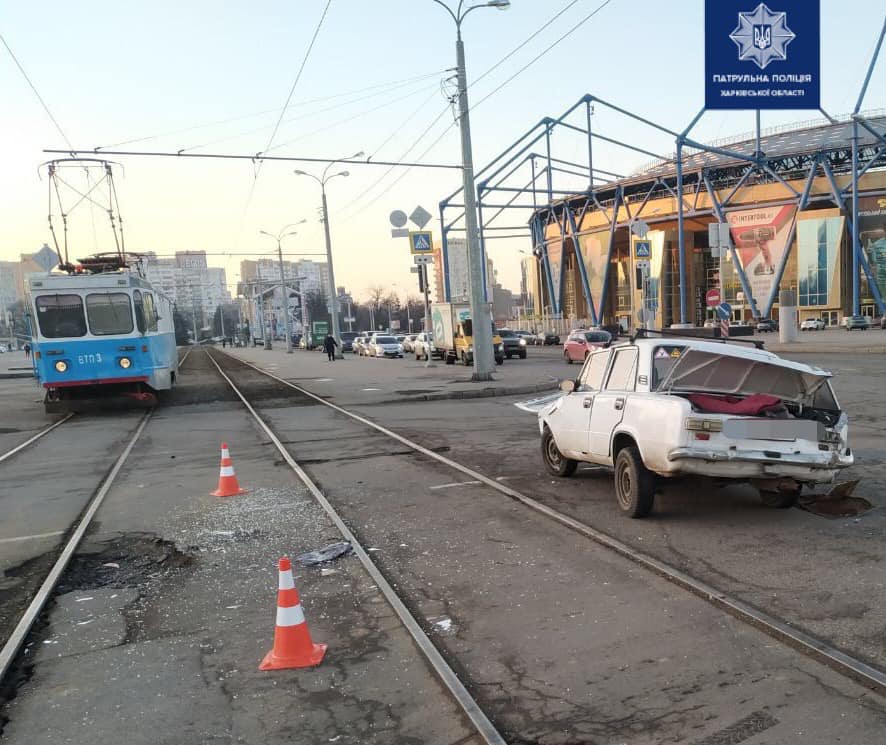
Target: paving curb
11, 376
513, 390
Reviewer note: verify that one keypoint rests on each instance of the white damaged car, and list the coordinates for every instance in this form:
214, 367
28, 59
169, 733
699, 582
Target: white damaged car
658, 408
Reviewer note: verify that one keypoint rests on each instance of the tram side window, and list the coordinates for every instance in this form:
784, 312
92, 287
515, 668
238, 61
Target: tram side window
109, 313
139, 310
60, 316
150, 312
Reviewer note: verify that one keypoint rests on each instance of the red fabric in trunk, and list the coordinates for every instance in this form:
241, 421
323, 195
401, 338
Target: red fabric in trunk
754, 405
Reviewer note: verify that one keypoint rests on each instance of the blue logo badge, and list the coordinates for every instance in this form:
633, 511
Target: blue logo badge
762, 36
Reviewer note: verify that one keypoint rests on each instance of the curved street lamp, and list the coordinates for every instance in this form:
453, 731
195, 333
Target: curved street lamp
333, 299
482, 326
281, 234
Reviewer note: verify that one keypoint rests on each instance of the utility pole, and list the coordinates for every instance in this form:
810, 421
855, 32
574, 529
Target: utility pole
331, 291
423, 268
283, 291
481, 318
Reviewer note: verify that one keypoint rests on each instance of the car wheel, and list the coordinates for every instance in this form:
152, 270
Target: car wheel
508, 356
556, 463
499, 360
567, 358
523, 356
634, 483
780, 499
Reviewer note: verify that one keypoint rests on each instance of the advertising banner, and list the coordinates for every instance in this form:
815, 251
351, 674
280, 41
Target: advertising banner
760, 237
872, 229
818, 248
757, 57
555, 262
594, 251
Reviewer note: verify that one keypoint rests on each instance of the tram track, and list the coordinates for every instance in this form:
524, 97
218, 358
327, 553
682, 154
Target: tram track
71, 537
807, 645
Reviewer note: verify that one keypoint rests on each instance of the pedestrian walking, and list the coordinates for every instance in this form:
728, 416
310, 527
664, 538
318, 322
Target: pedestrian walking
224, 341
28, 351
329, 344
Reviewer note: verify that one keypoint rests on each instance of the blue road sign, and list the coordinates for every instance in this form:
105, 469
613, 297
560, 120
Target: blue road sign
642, 249
724, 310
757, 57
421, 242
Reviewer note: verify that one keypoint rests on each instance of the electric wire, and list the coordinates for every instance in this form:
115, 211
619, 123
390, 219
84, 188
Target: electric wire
36, 92
258, 166
485, 98
390, 85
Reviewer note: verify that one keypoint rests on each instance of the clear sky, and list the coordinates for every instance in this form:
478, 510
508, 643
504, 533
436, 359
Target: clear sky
112, 72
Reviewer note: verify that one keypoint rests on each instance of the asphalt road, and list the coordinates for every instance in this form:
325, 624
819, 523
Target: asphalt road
560, 640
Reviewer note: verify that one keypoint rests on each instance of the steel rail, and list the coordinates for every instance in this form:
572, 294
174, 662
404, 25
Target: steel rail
808, 645
446, 674
41, 433
20, 632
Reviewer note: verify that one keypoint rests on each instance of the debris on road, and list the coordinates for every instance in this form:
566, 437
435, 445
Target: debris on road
326, 554
837, 502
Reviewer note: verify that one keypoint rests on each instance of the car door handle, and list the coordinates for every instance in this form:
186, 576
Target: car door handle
619, 404
587, 402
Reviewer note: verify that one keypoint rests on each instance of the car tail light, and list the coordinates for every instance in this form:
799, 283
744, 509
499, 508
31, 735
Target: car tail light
704, 425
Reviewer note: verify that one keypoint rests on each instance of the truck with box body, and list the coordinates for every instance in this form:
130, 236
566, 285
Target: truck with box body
453, 335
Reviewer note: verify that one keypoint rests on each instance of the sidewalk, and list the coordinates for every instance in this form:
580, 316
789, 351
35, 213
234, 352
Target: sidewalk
15, 365
829, 341
363, 380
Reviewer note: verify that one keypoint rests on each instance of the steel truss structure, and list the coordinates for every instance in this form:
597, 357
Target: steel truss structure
528, 177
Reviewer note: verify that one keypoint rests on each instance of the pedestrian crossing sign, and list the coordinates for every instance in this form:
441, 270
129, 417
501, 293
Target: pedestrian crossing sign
421, 241
642, 249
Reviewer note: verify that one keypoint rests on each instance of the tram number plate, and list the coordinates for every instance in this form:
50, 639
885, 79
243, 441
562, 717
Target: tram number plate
89, 359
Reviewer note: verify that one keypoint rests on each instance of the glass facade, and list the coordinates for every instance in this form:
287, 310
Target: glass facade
818, 245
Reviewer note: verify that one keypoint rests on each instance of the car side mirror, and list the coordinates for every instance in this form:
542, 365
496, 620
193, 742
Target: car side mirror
567, 386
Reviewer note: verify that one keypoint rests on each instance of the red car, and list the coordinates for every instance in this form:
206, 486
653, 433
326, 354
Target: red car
581, 343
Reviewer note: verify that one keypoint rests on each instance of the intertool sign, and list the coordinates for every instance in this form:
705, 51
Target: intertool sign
760, 56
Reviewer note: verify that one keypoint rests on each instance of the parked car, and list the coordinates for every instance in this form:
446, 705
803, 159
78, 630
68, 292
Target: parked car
347, 340
384, 345
424, 346
883, 322
514, 344
658, 408
580, 343
812, 324
766, 325
360, 345
408, 342
857, 322
546, 339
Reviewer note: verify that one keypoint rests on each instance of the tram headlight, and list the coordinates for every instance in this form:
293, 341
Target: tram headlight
125, 363
61, 366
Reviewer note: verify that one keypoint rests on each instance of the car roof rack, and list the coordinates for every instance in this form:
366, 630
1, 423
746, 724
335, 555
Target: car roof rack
645, 334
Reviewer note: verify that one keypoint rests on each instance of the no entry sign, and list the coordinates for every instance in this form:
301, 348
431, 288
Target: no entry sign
712, 298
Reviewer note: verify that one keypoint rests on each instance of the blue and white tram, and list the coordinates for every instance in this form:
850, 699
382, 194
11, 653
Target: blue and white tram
100, 336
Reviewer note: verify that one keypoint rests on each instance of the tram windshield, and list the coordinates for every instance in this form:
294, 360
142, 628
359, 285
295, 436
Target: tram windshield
109, 313
60, 316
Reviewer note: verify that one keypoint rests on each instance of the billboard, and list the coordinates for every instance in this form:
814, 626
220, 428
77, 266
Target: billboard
819, 235
872, 233
757, 57
760, 238
594, 252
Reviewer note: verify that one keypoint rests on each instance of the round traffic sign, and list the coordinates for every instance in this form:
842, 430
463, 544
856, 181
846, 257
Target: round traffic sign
712, 298
398, 218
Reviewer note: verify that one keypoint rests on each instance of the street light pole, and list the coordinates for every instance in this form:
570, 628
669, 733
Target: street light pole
484, 363
283, 291
333, 297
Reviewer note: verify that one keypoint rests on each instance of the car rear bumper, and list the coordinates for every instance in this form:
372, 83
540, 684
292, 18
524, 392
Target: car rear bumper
820, 466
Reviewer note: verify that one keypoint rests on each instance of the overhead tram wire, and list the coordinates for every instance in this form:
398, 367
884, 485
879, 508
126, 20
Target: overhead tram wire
36, 92
390, 85
257, 167
485, 98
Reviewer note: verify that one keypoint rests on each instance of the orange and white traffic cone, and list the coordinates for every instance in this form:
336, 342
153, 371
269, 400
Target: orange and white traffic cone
292, 640
228, 486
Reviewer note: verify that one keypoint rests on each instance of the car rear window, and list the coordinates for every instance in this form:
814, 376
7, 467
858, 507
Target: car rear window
60, 316
385, 340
